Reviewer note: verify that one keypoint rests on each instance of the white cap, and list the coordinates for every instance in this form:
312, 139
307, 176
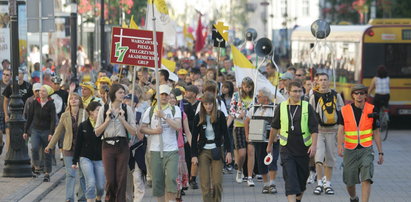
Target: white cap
165, 89
36, 86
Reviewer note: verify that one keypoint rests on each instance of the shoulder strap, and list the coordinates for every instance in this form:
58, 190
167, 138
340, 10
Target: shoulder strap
151, 113
124, 107
105, 112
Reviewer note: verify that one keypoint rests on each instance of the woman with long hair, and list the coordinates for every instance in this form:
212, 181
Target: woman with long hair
42, 121
88, 154
208, 138
68, 126
381, 85
240, 104
115, 121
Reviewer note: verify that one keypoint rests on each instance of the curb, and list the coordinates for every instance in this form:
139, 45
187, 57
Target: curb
43, 189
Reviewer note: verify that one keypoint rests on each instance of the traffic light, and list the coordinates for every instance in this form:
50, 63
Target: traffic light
220, 35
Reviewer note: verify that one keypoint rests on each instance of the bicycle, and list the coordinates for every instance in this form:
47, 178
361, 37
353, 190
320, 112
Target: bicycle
384, 122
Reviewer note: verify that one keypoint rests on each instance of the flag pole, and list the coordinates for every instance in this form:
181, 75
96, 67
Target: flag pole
133, 87
156, 74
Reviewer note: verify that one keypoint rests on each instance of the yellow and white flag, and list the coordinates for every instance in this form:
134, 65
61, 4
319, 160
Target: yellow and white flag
244, 68
163, 21
133, 24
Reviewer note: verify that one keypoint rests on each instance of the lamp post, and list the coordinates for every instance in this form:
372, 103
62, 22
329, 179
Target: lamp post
102, 38
17, 161
73, 39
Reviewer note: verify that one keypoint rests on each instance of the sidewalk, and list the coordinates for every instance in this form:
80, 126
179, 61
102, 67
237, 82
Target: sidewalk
28, 188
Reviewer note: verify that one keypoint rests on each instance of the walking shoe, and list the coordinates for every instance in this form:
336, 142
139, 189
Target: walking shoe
239, 177
250, 182
149, 183
1, 147
245, 179
312, 177
329, 190
355, 200
273, 189
46, 178
61, 156
229, 169
259, 178
266, 189
193, 184
318, 190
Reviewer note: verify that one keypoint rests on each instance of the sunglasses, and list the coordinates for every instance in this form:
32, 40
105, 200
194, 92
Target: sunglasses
6, 74
298, 75
359, 93
296, 91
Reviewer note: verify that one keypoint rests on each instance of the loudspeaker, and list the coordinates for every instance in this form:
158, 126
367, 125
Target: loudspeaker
264, 47
250, 34
320, 29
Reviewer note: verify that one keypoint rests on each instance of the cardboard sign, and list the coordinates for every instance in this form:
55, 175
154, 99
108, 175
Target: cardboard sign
135, 47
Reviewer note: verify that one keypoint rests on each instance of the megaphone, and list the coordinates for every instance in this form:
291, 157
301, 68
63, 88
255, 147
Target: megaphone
250, 34
320, 29
264, 47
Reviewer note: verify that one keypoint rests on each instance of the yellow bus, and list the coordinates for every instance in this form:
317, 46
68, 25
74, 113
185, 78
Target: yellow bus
354, 52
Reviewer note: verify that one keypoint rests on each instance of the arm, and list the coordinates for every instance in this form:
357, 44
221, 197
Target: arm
272, 139
340, 140
313, 128
377, 140
247, 128
29, 117
187, 131
101, 124
194, 137
60, 129
53, 117
224, 130
79, 144
372, 86
230, 120
174, 123
5, 106
129, 125
145, 129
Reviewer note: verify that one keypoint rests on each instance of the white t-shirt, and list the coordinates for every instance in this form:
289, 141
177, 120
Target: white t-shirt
169, 134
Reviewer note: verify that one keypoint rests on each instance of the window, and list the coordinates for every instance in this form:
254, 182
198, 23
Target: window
306, 7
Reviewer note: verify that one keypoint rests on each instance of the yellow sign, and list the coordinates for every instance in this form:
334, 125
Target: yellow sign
222, 30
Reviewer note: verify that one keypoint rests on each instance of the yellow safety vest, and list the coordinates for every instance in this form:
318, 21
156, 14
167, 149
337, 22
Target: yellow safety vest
285, 125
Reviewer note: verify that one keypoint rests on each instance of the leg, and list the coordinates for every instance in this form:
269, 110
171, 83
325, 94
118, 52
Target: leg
122, 170
47, 157
88, 171
70, 178
351, 191
319, 158
328, 172
171, 171
217, 176
366, 190
81, 189
35, 147
158, 175
250, 159
139, 188
204, 167
148, 162
100, 178
241, 158
109, 163
292, 198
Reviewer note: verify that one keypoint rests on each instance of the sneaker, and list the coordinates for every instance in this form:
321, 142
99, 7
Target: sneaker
250, 182
239, 177
273, 189
230, 169
266, 189
149, 183
61, 156
355, 200
318, 190
193, 184
312, 177
259, 178
245, 179
46, 178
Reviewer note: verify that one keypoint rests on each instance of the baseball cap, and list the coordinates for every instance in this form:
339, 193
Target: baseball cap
56, 79
36, 86
182, 72
287, 75
129, 96
165, 89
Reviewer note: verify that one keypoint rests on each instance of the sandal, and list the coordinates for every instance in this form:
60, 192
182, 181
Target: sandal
318, 190
329, 190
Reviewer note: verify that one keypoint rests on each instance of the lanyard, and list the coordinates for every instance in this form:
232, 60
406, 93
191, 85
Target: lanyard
292, 116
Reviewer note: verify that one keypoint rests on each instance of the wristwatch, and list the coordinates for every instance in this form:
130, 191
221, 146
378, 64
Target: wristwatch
381, 153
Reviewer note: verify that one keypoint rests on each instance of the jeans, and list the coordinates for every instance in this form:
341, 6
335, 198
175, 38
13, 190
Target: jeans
139, 186
71, 180
211, 176
94, 173
39, 139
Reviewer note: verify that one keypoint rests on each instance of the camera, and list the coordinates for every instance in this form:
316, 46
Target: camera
105, 88
112, 116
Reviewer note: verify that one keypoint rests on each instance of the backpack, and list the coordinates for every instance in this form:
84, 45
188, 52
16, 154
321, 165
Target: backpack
326, 108
123, 107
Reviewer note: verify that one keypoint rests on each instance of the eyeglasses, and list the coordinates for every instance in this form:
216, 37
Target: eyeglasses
6, 74
37, 91
298, 75
296, 91
359, 93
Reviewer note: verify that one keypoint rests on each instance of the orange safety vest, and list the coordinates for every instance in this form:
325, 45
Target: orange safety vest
362, 133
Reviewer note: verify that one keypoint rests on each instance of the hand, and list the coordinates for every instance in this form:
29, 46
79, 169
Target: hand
46, 150
194, 160
6, 117
49, 138
161, 114
74, 166
25, 136
242, 114
72, 87
340, 150
158, 130
311, 151
108, 113
269, 148
228, 158
380, 159
121, 114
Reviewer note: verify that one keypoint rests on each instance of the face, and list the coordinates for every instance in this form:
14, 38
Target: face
295, 93
74, 101
227, 64
101, 74
208, 107
21, 76
142, 77
210, 75
6, 65
36, 93
43, 93
323, 82
261, 98
55, 86
246, 88
94, 113
194, 76
299, 75
225, 90
308, 85
172, 100
269, 70
187, 79
120, 95
182, 77
203, 70
85, 92
359, 96
189, 95
6, 76
164, 97
199, 86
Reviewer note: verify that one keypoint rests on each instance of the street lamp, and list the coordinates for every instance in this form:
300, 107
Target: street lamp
17, 161
73, 39
102, 37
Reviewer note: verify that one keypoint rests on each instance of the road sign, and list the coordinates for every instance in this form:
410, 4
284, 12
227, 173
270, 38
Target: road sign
135, 47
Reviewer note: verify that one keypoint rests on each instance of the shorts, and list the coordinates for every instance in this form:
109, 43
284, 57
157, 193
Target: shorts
2, 122
326, 148
381, 100
260, 152
358, 165
239, 138
295, 173
164, 172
